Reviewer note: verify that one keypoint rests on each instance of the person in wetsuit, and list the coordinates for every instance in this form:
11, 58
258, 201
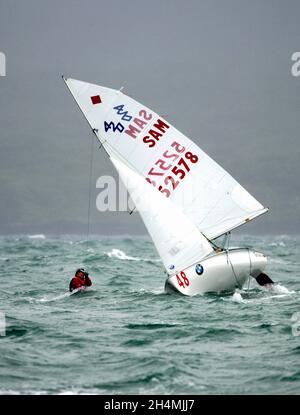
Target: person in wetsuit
80, 280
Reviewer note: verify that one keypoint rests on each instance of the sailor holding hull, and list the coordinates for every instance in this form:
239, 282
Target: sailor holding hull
80, 281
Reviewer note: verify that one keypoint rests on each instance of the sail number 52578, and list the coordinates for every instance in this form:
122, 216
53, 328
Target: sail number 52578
173, 175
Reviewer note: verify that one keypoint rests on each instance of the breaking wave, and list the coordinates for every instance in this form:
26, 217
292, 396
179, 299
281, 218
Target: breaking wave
117, 253
279, 289
37, 236
271, 291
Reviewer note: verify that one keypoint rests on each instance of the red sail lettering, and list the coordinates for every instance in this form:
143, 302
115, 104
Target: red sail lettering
161, 126
148, 140
155, 134
143, 113
140, 123
132, 131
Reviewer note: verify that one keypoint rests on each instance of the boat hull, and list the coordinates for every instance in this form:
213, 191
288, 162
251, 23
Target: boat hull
223, 271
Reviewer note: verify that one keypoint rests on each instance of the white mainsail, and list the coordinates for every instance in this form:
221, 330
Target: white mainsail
149, 145
177, 239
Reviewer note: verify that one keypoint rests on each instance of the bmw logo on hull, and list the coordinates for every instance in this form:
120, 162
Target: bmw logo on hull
199, 269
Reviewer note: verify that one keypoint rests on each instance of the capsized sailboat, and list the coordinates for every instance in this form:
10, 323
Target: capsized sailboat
185, 198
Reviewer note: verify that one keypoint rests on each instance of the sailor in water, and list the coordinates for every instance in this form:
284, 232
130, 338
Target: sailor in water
80, 280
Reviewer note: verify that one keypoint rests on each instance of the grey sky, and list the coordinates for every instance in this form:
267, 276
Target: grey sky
219, 70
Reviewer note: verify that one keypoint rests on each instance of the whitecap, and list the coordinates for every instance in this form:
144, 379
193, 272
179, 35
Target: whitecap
37, 236
280, 243
59, 297
237, 298
154, 292
117, 253
279, 289
272, 291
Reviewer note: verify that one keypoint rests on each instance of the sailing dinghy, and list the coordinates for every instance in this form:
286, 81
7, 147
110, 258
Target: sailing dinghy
185, 198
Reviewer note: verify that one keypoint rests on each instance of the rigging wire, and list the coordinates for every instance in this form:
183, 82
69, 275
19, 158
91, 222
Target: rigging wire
90, 190
250, 270
229, 260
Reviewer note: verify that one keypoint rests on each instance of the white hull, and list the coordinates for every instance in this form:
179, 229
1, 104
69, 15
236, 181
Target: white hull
218, 272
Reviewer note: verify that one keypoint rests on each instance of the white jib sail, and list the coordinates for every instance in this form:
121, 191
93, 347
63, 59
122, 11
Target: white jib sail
177, 239
173, 164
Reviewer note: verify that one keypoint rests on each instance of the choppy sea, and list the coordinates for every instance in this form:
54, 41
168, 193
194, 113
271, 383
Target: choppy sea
126, 336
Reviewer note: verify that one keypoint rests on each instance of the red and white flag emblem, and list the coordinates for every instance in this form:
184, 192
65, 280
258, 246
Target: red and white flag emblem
96, 99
